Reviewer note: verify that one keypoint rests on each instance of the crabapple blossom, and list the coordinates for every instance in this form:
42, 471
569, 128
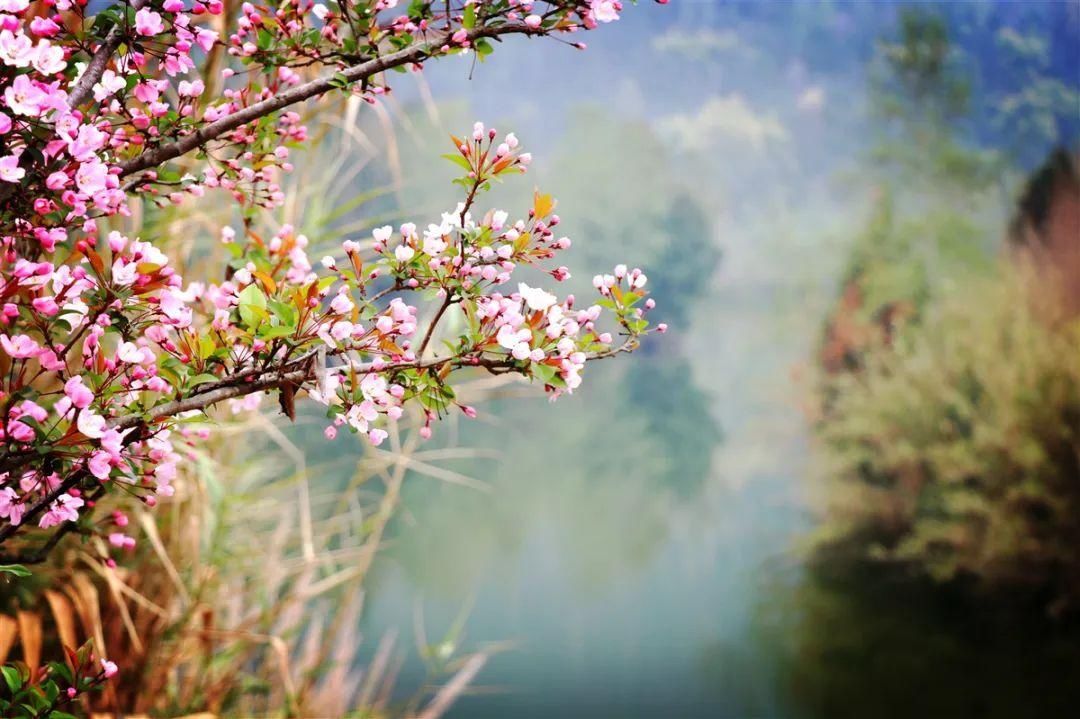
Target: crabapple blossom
108, 352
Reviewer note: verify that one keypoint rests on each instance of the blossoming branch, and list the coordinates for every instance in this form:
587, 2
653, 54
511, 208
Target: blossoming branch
107, 349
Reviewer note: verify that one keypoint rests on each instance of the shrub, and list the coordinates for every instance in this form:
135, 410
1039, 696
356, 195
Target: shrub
956, 453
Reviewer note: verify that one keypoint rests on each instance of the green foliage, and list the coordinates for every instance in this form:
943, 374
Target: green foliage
950, 431
51, 692
907, 257
15, 570
920, 91
922, 70
956, 452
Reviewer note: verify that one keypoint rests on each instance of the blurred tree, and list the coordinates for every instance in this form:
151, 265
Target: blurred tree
948, 416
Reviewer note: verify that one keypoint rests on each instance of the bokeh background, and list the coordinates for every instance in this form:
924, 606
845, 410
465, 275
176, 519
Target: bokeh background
764, 513
846, 483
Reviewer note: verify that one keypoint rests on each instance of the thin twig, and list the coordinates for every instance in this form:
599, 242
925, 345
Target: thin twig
415, 53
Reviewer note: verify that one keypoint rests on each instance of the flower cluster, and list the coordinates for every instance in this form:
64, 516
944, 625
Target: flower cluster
107, 350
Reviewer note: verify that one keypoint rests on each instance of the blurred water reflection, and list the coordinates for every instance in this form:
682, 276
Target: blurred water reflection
641, 550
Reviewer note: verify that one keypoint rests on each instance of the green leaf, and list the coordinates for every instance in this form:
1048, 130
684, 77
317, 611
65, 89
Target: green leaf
468, 18
264, 40
252, 306
544, 372
253, 295
339, 80
285, 312
61, 670
12, 677
17, 570
459, 161
202, 379
275, 332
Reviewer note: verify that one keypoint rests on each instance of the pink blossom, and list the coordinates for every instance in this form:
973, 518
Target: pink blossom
109, 84
46, 306
49, 58
129, 352
190, 89
64, 509
112, 441
16, 49
121, 540
91, 177
509, 338
44, 27
79, 394
57, 180
19, 431
90, 424
19, 346
50, 361
175, 308
10, 170
11, 508
86, 142
536, 299
205, 38
605, 10
148, 23
521, 351
100, 464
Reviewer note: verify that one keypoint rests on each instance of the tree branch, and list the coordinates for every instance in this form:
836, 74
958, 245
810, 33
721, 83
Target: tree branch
40, 554
31, 514
223, 390
231, 388
414, 53
100, 60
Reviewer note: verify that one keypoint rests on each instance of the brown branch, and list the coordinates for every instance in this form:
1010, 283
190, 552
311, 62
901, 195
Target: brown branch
223, 390
415, 53
31, 514
435, 322
231, 388
100, 60
41, 553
